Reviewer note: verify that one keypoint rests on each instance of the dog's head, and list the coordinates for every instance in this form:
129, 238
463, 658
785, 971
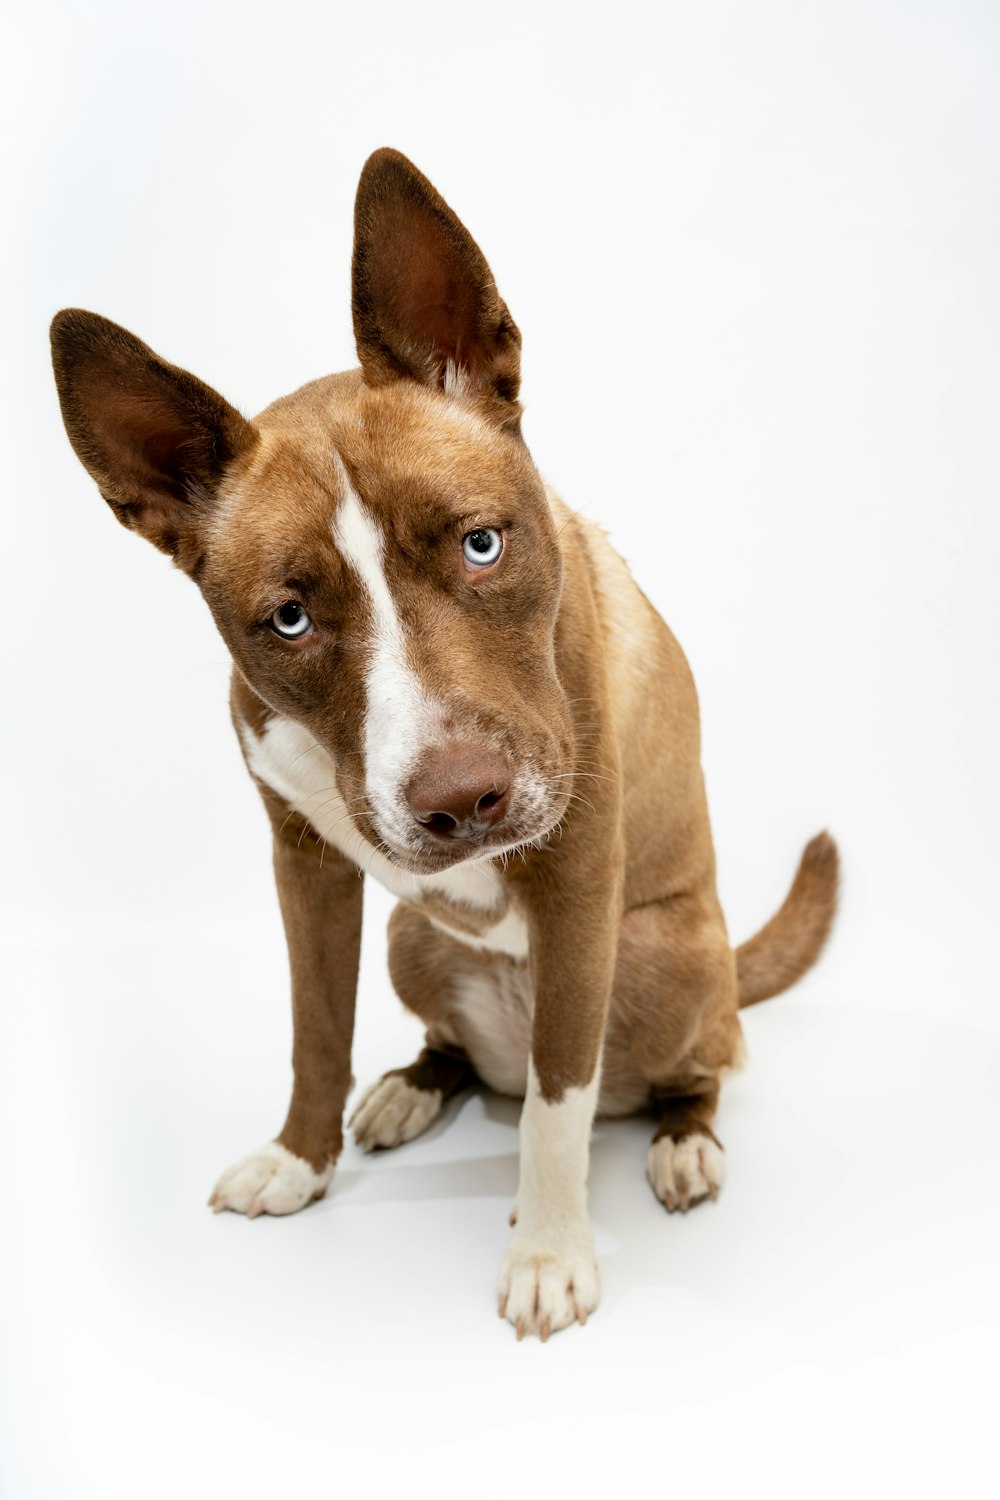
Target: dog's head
377, 549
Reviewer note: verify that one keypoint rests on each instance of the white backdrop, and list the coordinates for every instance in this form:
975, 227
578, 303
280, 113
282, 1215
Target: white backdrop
753, 253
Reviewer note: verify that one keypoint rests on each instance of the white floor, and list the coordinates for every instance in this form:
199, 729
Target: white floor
831, 1321
753, 253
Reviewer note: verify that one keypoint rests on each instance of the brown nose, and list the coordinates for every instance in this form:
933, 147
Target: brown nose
460, 793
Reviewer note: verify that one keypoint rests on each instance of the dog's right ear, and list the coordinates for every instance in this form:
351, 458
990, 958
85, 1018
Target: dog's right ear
156, 440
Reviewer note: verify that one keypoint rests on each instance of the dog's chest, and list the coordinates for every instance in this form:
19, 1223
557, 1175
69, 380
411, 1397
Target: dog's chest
468, 902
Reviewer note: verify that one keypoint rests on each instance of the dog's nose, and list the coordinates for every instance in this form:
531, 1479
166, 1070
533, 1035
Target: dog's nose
460, 793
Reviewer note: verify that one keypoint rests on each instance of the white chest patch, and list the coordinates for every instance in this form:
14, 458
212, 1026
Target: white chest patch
510, 935
493, 1017
288, 760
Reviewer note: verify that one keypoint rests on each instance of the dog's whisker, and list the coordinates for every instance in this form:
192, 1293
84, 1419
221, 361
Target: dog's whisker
307, 751
331, 831
581, 775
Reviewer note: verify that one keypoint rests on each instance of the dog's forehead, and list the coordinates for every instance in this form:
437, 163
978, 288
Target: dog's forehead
405, 452
404, 445
277, 508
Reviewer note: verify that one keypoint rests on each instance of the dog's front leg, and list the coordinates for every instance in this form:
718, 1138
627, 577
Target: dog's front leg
549, 1276
320, 894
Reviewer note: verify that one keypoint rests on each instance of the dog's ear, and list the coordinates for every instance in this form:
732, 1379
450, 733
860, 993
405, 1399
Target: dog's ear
156, 440
425, 302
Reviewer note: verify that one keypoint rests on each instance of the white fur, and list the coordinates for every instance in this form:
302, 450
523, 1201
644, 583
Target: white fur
493, 1010
548, 1278
401, 720
510, 935
272, 1180
474, 882
393, 1111
287, 759
685, 1171
457, 379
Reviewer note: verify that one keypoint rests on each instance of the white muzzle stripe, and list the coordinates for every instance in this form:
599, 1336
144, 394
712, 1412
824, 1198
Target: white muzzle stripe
402, 721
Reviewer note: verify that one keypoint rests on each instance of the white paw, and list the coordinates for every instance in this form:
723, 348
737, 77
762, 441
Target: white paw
686, 1171
269, 1181
393, 1111
546, 1284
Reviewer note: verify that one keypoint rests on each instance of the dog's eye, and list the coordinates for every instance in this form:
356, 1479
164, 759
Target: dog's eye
482, 547
290, 621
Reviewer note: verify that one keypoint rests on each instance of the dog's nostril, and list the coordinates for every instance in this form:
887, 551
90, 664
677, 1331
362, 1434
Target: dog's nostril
439, 822
488, 800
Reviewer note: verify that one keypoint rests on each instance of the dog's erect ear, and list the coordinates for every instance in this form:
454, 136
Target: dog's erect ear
156, 440
425, 302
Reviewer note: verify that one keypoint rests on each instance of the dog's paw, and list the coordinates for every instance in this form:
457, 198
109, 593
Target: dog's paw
393, 1111
545, 1286
685, 1172
269, 1181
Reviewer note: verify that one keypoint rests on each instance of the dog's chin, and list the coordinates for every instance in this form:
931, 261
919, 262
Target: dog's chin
436, 858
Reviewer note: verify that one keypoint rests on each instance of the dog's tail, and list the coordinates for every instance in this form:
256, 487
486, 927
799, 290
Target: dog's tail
782, 951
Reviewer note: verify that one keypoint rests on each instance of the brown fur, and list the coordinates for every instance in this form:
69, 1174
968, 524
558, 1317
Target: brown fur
788, 945
587, 687
417, 313
446, 1071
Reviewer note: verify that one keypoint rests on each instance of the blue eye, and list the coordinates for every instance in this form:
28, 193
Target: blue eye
482, 547
290, 621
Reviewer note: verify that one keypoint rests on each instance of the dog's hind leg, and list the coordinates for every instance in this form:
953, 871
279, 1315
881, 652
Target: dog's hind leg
675, 998
404, 1102
686, 1162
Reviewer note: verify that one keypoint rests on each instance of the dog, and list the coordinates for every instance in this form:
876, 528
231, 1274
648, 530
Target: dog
446, 679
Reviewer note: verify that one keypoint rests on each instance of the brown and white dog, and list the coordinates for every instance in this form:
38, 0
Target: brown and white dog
446, 679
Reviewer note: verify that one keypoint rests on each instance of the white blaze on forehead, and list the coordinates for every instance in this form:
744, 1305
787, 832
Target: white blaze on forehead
401, 720
360, 543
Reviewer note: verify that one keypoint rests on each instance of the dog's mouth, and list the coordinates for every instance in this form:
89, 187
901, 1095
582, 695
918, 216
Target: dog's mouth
428, 859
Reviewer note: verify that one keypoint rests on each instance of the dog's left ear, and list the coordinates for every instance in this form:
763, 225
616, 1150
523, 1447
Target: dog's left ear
425, 303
